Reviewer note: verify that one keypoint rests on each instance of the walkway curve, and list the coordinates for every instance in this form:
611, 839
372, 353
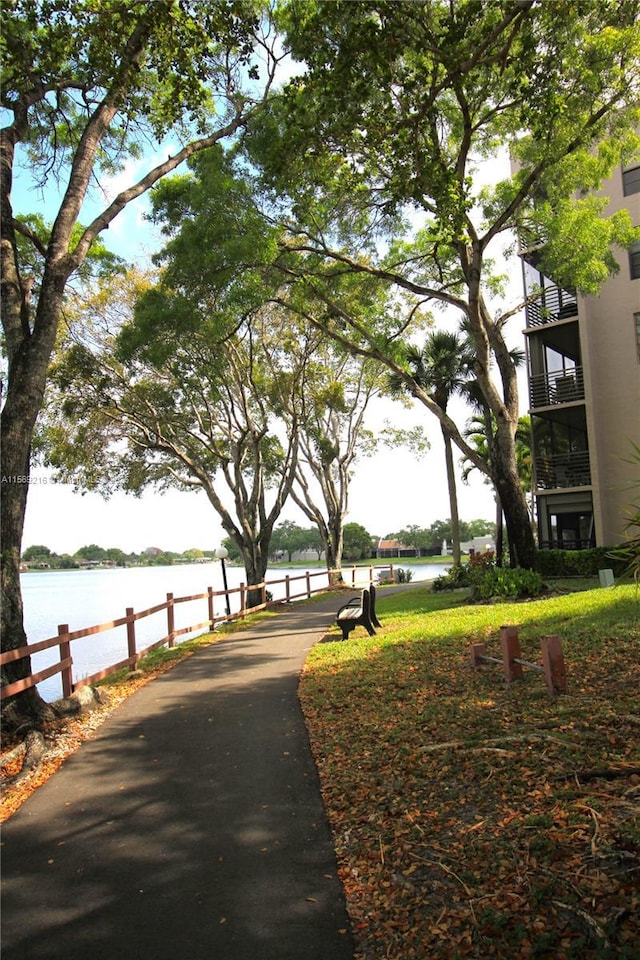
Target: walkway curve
191, 825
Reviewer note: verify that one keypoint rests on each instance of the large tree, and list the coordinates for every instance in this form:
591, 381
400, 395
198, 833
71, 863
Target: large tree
222, 252
333, 436
394, 110
84, 88
192, 412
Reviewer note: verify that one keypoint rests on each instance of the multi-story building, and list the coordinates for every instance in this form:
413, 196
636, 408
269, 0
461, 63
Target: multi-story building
584, 394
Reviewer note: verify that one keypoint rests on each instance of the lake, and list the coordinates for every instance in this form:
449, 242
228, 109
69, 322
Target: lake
83, 598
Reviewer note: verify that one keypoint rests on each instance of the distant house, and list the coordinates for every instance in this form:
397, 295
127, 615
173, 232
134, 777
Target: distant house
297, 556
395, 548
95, 564
387, 549
479, 545
300, 556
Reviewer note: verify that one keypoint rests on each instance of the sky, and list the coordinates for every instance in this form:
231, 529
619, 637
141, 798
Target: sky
389, 491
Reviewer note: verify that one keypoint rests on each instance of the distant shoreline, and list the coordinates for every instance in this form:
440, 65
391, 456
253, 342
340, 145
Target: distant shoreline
276, 565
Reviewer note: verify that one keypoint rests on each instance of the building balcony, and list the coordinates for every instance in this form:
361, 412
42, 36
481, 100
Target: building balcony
561, 386
563, 471
566, 543
553, 304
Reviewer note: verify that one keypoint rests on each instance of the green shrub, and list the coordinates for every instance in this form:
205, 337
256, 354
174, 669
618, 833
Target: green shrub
456, 576
576, 563
507, 584
403, 575
551, 563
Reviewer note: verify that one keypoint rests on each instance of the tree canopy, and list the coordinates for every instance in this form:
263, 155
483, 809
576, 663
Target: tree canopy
395, 110
204, 415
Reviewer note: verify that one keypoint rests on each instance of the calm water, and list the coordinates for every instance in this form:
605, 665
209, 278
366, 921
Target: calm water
82, 598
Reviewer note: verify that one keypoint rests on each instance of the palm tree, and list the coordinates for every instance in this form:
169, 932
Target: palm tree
442, 367
480, 432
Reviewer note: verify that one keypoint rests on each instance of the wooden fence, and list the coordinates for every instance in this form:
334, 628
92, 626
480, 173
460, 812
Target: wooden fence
553, 665
65, 637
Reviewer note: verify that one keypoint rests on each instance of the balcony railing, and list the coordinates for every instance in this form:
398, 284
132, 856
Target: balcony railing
568, 543
553, 304
562, 471
561, 386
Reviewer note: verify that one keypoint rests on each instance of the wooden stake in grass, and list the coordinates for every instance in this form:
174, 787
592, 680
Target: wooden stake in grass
555, 672
553, 666
510, 644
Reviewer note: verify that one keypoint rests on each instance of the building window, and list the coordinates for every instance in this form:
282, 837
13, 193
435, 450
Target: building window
637, 320
631, 180
634, 261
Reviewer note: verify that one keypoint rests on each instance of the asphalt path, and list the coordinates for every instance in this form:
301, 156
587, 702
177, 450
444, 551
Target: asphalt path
191, 825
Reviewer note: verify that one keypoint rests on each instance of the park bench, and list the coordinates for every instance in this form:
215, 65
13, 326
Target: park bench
358, 611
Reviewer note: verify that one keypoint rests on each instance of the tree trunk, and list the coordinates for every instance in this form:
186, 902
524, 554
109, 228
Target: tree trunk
522, 551
330, 531
489, 342
499, 533
453, 498
28, 365
255, 558
334, 548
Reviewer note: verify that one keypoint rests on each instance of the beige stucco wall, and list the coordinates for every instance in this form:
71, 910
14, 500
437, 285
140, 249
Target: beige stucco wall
612, 384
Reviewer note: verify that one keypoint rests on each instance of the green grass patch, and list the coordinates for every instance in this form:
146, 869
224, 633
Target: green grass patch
461, 804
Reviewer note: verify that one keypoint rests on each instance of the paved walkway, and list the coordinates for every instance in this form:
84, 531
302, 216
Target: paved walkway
191, 826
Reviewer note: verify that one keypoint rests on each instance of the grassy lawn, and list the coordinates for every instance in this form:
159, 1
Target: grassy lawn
474, 818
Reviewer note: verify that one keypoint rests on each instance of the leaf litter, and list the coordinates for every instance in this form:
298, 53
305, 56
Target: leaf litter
474, 819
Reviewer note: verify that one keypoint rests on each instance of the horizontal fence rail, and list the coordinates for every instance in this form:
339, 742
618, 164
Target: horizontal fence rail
552, 666
65, 637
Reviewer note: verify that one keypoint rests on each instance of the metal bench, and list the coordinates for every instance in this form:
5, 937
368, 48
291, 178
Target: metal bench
357, 611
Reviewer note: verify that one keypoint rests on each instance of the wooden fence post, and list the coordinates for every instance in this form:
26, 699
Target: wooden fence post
510, 652
553, 665
171, 620
392, 575
308, 585
131, 639
264, 592
65, 652
477, 653
212, 619
243, 600
287, 581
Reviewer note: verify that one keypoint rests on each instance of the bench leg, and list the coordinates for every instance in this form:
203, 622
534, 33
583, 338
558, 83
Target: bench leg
365, 620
